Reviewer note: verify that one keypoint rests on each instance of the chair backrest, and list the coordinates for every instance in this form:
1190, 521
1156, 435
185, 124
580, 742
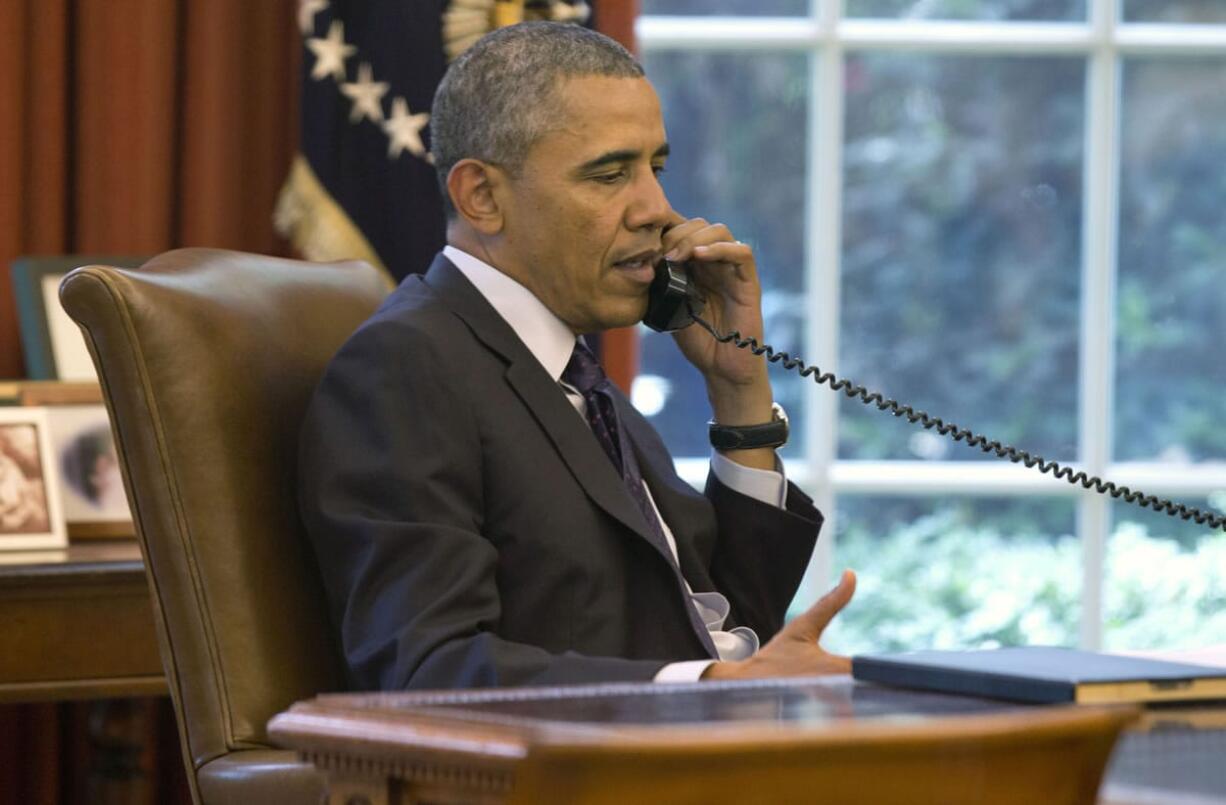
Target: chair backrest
207, 360
1056, 757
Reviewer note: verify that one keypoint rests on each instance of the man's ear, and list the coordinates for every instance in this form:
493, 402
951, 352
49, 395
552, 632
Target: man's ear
471, 184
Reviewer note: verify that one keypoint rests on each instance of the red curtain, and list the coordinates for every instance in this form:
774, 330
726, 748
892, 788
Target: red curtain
619, 348
136, 126
131, 127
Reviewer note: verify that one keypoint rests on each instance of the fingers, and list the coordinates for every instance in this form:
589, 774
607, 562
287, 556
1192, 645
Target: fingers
675, 238
681, 240
810, 624
736, 254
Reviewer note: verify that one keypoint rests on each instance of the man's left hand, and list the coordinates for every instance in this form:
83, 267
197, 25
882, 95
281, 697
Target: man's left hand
726, 274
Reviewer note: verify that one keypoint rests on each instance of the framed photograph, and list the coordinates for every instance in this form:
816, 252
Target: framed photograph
91, 486
52, 343
30, 513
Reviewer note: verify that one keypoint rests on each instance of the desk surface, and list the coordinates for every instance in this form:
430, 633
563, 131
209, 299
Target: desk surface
1175, 756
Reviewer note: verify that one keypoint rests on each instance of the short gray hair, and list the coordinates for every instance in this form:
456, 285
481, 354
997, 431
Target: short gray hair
498, 98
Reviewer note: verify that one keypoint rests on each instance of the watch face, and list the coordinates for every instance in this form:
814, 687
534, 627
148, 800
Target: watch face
780, 414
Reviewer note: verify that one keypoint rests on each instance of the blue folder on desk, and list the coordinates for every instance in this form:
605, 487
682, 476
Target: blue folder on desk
1044, 674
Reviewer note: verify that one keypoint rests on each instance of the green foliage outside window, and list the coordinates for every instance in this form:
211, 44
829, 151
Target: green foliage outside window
940, 582
961, 242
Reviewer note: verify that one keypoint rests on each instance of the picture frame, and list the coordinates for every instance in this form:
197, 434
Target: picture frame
92, 494
53, 346
31, 516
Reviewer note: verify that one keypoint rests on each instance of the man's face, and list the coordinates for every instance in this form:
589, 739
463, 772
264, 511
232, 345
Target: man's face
583, 219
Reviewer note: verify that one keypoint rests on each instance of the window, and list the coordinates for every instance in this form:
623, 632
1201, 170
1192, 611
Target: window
1008, 213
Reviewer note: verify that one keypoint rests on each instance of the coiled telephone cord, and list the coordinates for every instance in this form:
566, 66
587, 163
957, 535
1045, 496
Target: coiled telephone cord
959, 434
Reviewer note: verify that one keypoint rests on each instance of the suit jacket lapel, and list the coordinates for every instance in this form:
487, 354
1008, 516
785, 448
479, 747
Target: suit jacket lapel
568, 432
679, 506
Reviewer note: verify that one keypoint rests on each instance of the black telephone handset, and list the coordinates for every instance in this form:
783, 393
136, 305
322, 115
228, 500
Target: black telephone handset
672, 300
674, 304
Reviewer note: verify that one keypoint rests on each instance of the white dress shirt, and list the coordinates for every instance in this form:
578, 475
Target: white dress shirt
551, 342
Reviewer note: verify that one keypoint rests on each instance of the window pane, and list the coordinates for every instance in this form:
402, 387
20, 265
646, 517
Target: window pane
970, 9
741, 8
1166, 580
1170, 375
1175, 11
961, 250
736, 125
957, 573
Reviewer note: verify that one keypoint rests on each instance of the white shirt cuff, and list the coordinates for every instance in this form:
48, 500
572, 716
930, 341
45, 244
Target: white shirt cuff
689, 671
766, 486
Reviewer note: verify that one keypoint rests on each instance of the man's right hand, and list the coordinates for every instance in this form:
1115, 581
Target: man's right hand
794, 651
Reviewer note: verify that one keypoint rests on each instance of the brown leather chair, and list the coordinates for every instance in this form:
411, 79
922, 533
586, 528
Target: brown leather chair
207, 359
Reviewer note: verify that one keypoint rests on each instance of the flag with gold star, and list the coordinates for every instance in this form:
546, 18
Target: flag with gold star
363, 183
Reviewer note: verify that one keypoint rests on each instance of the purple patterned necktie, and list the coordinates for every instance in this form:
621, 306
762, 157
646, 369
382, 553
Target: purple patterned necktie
585, 375
583, 372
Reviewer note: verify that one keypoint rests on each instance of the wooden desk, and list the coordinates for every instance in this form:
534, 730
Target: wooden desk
76, 629
77, 624
465, 746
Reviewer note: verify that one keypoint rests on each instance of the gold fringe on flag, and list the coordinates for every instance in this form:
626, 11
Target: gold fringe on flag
466, 21
508, 12
308, 216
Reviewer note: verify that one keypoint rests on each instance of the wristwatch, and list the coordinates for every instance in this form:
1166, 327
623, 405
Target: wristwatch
748, 437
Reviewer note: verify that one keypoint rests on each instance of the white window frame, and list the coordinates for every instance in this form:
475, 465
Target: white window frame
1104, 40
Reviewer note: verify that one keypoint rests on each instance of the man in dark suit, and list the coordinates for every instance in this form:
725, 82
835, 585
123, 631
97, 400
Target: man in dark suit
486, 508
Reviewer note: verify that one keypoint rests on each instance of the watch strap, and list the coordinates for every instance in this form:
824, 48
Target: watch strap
749, 437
